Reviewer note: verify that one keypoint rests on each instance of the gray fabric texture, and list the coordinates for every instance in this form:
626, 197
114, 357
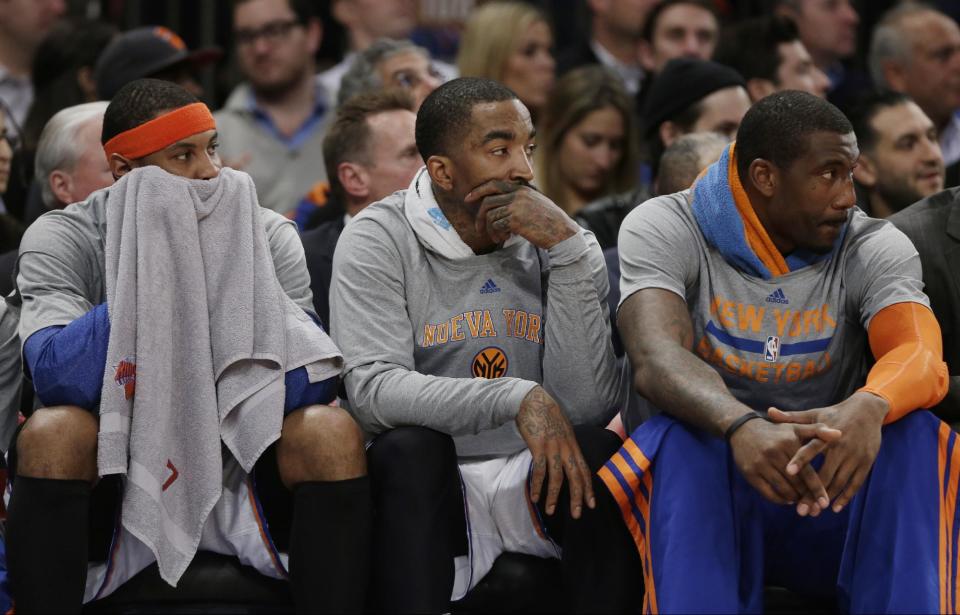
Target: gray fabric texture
202, 328
11, 372
414, 327
818, 315
60, 270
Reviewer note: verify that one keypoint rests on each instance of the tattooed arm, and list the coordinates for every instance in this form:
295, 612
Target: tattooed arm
658, 334
551, 440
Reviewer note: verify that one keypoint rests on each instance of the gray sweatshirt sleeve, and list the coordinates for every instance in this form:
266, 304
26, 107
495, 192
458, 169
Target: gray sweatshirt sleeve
370, 324
579, 366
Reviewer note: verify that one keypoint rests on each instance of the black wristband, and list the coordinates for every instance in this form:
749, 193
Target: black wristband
737, 424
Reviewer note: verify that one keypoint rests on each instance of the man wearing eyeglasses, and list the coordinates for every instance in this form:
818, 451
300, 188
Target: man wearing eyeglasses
272, 125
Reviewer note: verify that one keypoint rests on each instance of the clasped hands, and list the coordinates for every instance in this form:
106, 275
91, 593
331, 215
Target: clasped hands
775, 457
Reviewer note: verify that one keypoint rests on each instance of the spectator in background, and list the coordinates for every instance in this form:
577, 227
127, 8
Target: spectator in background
272, 125
391, 63
692, 96
70, 164
62, 72
686, 158
367, 21
615, 28
585, 140
900, 160
370, 152
510, 42
678, 29
10, 231
151, 51
915, 49
23, 25
769, 55
70, 159
828, 29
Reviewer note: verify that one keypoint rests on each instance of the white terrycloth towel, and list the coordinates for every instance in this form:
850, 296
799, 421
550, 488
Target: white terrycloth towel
201, 334
431, 225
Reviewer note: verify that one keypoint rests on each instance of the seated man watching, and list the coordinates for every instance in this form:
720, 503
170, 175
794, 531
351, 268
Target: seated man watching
754, 296
132, 361
473, 311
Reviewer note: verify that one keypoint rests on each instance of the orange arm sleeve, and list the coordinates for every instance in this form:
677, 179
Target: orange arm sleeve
909, 372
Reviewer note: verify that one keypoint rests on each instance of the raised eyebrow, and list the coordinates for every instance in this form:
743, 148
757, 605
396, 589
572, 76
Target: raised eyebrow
493, 135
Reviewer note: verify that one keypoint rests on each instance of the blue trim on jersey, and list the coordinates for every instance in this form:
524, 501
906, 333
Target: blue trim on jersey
757, 347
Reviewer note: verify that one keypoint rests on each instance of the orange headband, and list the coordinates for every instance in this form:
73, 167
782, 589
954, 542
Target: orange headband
161, 132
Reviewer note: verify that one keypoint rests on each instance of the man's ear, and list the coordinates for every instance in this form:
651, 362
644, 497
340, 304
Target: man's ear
60, 185
354, 179
865, 173
314, 34
759, 88
120, 165
440, 169
669, 132
895, 74
645, 54
765, 177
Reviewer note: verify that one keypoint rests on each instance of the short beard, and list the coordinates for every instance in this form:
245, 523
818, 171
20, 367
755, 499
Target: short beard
897, 197
279, 89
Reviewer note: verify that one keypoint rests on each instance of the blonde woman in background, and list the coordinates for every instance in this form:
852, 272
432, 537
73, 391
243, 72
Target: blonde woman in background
511, 43
585, 137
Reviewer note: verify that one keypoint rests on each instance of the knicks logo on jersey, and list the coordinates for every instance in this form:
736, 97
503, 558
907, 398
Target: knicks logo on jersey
489, 363
126, 377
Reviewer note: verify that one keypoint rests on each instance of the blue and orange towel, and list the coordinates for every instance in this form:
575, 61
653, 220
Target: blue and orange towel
730, 224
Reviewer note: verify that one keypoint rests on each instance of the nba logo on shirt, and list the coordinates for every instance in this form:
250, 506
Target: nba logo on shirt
771, 351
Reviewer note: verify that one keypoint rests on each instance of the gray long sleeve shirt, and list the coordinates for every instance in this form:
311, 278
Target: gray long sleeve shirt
457, 345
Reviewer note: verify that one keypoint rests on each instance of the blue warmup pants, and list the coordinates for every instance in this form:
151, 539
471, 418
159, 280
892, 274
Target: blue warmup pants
709, 542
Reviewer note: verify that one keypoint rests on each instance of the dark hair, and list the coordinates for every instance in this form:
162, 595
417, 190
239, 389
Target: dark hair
70, 46
139, 102
305, 10
867, 107
751, 47
444, 116
348, 138
650, 24
777, 128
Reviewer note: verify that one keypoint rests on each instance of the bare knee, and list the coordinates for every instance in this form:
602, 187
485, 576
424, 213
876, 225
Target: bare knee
320, 443
59, 442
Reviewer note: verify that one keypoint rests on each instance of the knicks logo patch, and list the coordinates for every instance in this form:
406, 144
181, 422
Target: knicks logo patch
126, 377
489, 363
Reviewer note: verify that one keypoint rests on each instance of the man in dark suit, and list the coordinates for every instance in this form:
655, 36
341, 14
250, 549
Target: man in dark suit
615, 29
370, 152
933, 225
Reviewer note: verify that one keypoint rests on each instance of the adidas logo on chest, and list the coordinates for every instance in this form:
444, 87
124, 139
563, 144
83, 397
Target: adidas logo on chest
778, 296
489, 287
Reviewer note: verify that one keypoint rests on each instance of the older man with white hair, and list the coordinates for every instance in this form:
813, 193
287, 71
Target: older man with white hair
70, 160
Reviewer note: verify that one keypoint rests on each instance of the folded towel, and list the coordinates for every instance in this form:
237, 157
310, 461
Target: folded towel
201, 336
729, 223
431, 226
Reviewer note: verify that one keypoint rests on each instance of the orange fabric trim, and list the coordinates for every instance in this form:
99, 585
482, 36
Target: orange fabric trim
630, 447
944, 530
650, 584
623, 501
161, 132
756, 235
910, 372
951, 507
